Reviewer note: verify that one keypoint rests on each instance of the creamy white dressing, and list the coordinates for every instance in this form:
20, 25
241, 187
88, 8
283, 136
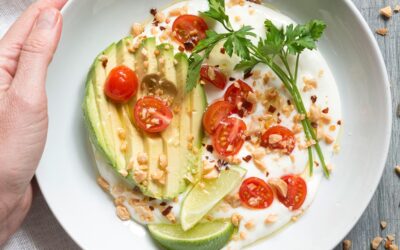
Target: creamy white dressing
312, 66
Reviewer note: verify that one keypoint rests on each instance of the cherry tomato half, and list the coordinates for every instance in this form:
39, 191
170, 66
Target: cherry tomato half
229, 136
213, 75
237, 95
279, 137
122, 83
189, 30
296, 193
152, 115
256, 193
214, 114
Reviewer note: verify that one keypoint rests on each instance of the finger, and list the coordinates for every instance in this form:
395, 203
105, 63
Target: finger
36, 54
13, 40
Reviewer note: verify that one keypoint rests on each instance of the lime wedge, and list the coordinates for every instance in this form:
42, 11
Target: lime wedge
204, 236
205, 195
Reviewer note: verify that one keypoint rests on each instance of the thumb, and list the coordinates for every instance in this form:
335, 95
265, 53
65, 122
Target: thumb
36, 54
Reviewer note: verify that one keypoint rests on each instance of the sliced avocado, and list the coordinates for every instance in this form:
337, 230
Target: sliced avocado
175, 182
106, 119
93, 121
133, 136
115, 121
146, 63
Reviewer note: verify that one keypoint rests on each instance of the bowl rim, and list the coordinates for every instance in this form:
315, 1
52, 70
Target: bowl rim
381, 67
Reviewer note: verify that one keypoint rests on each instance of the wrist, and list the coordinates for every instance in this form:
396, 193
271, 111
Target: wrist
13, 209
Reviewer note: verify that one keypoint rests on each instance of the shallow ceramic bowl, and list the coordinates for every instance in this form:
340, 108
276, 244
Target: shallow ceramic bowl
67, 175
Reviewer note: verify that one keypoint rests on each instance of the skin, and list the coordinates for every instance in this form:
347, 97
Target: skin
25, 53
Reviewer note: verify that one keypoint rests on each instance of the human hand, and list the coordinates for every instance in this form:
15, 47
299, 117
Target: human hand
25, 53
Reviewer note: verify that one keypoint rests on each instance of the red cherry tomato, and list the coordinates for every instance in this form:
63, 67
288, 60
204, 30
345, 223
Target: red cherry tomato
229, 136
152, 115
189, 30
256, 193
279, 137
213, 75
122, 83
214, 114
296, 193
237, 95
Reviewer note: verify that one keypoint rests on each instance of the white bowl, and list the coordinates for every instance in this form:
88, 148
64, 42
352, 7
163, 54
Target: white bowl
67, 175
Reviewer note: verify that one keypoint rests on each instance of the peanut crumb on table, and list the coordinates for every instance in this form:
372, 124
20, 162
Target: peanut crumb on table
383, 224
386, 12
376, 242
346, 244
382, 31
397, 169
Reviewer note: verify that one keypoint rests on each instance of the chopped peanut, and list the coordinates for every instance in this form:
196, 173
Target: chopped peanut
382, 31
139, 176
249, 225
137, 29
397, 169
272, 218
383, 224
274, 138
236, 218
309, 84
142, 158
162, 161
103, 183
376, 242
259, 153
386, 12
279, 185
119, 200
346, 245
123, 213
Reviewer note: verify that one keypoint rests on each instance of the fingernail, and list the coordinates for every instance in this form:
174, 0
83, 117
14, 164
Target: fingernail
47, 18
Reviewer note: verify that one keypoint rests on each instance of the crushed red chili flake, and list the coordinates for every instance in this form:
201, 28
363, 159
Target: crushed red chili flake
266, 174
247, 138
166, 211
247, 158
279, 114
232, 79
314, 124
162, 28
181, 49
151, 199
153, 11
222, 50
316, 163
325, 110
279, 120
339, 122
289, 102
247, 105
271, 109
247, 74
188, 46
221, 163
151, 208
163, 203
210, 148
314, 98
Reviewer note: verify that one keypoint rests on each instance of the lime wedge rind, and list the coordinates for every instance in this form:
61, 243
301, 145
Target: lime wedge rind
204, 236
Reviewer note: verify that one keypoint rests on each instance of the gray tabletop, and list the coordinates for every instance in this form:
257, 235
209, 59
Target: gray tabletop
42, 231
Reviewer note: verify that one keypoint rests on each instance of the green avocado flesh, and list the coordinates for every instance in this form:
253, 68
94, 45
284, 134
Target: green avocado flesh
112, 129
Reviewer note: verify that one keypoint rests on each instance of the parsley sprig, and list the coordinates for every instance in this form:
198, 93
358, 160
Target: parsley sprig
235, 42
275, 50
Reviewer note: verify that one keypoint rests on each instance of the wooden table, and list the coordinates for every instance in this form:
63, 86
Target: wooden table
385, 203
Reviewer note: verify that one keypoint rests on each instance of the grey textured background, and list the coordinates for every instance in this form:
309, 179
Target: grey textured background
42, 231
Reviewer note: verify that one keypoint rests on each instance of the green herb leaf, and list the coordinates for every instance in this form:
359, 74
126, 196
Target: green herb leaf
216, 11
195, 62
247, 65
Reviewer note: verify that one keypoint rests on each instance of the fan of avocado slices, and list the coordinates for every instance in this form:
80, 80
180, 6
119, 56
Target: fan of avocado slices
114, 133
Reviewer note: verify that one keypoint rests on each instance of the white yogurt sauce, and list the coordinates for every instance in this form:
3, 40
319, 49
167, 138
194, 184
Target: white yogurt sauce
312, 66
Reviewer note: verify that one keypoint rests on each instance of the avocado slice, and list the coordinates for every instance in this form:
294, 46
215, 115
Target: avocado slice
146, 63
105, 119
